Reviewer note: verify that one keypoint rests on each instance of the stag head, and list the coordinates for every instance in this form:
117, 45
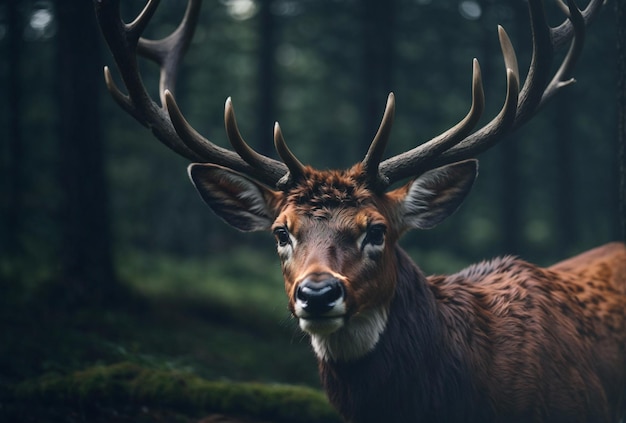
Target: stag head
336, 236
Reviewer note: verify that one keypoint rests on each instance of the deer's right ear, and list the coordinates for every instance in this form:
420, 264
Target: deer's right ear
240, 201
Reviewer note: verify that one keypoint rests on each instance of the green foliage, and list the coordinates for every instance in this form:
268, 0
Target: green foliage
128, 383
246, 280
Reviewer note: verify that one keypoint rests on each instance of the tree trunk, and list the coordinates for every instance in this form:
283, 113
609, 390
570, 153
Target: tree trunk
378, 22
620, 9
511, 190
13, 179
565, 206
266, 105
510, 195
86, 253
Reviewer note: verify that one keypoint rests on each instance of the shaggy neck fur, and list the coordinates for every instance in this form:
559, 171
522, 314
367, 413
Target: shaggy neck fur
409, 375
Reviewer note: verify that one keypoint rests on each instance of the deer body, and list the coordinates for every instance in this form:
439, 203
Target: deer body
476, 347
501, 341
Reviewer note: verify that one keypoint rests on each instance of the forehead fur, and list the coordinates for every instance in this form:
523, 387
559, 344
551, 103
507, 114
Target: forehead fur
319, 192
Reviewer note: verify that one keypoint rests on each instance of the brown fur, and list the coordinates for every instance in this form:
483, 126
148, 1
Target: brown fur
501, 341
543, 338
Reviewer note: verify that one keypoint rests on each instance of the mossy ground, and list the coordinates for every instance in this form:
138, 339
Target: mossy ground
135, 389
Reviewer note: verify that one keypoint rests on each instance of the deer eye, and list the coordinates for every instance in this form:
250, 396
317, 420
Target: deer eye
282, 236
375, 235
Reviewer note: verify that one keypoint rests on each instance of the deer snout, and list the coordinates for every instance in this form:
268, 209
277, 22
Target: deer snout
317, 295
320, 303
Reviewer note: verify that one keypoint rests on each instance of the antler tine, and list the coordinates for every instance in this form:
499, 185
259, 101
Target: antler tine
251, 157
171, 128
539, 86
377, 147
120, 98
563, 33
139, 24
205, 148
491, 133
296, 168
169, 51
519, 106
562, 78
413, 161
133, 33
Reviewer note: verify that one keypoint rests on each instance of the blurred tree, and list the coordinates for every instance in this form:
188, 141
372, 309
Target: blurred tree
86, 251
378, 53
266, 105
13, 180
564, 162
511, 194
620, 9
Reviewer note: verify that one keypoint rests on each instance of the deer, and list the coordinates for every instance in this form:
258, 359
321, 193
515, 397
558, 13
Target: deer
500, 341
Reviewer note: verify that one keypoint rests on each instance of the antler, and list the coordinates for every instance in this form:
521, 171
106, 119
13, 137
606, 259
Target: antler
166, 120
458, 143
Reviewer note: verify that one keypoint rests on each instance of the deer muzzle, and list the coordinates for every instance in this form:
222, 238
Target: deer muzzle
320, 303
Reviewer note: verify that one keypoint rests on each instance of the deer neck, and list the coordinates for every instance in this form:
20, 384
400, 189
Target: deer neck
363, 333
406, 368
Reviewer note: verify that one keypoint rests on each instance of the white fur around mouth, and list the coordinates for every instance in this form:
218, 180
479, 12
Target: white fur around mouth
321, 324
324, 325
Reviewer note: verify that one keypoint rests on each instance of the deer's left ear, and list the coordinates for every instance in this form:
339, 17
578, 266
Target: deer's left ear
436, 194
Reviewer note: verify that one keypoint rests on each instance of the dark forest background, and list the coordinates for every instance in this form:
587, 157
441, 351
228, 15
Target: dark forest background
94, 210
78, 172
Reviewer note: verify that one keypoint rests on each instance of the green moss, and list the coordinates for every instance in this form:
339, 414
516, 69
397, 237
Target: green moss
230, 280
127, 384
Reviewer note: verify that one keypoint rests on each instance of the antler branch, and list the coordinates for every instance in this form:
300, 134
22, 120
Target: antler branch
166, 120
520, 105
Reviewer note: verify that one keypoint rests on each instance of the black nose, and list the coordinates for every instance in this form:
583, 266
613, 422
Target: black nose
319, 293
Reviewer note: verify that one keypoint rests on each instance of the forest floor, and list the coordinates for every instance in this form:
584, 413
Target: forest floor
157, 357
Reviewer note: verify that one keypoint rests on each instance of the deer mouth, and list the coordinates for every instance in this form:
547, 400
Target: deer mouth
321, 325
315, 322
